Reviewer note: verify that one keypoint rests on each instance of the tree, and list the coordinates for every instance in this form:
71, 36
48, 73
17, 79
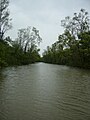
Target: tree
79, 23
73, 46
25, 47
28, 38
5, 21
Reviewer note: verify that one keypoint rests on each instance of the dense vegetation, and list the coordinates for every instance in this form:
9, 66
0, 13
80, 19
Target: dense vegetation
73, 46
24, 49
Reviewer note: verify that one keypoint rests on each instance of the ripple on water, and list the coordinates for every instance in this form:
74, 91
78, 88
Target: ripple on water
44, 92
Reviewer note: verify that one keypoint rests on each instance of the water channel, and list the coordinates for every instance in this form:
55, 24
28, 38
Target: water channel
44, 92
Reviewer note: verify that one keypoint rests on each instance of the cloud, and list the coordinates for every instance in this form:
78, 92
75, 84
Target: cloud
45, 15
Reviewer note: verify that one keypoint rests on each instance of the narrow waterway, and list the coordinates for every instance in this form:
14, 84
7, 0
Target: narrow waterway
44, 92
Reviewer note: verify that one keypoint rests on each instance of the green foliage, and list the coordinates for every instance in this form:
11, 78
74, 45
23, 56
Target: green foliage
2, 63
15, 53
73, 46
5, 21
24, 50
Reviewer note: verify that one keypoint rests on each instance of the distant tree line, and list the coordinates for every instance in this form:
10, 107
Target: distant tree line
73, 46
24, 49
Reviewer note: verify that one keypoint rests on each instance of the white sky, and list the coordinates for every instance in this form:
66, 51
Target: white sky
45, 15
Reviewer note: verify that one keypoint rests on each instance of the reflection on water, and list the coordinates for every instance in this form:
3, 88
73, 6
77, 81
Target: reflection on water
1, 76
44, 92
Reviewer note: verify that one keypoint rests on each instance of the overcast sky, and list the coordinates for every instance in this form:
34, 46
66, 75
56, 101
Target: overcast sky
45, 15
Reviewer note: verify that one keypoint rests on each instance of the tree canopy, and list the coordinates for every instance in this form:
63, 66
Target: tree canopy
73, 46
5, 21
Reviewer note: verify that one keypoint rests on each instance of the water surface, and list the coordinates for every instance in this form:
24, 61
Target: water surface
44, 92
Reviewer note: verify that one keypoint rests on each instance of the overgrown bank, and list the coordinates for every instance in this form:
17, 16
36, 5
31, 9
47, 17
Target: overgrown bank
24, 49
14, 55
73, 46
